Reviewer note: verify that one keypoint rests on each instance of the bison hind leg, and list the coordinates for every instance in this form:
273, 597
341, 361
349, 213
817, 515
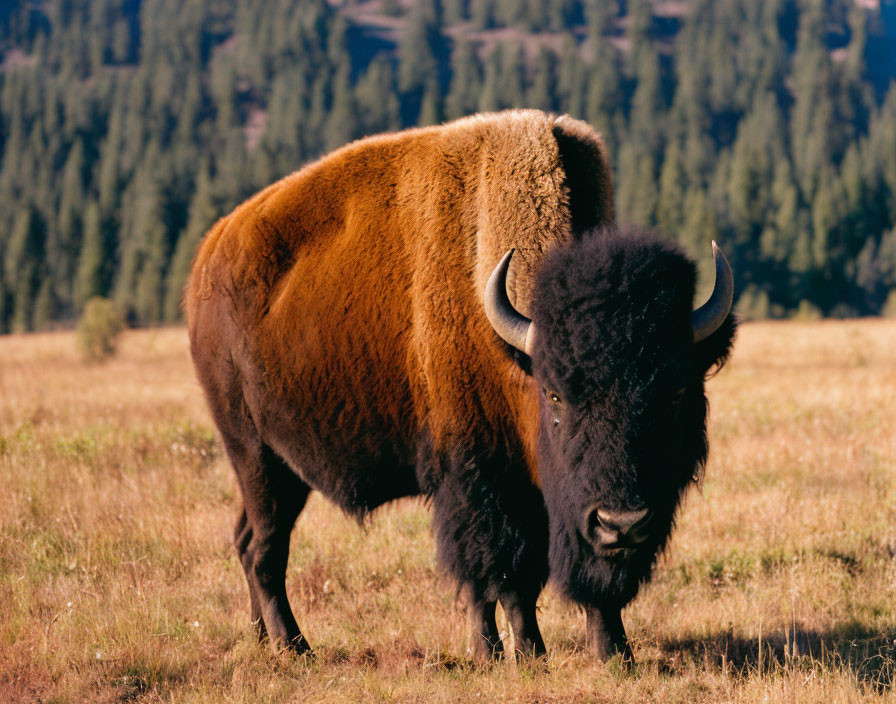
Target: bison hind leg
273, 497
242, 538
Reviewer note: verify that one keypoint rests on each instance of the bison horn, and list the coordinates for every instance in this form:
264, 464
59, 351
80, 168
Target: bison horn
708, 317
512, 326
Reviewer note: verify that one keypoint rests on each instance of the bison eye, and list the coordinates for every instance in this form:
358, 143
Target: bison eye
556, 407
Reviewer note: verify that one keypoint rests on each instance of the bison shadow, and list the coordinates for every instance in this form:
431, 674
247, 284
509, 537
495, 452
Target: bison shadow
868, 655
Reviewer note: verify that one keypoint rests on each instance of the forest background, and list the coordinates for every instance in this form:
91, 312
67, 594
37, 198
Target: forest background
128, 126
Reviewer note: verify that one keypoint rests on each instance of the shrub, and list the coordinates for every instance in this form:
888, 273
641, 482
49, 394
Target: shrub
754, 304
98, 328
807, 311
889, 309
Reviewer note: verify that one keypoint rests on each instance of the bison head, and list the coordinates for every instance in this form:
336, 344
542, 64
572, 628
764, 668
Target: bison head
619, 358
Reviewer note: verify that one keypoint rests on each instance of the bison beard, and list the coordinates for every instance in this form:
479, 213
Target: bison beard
338, 330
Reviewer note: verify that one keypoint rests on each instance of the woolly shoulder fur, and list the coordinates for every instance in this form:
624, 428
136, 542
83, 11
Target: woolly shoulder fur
361, 275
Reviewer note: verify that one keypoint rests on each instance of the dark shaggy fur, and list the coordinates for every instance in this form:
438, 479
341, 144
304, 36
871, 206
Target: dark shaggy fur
615, 343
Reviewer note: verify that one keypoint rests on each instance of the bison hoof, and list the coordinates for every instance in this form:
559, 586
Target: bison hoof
260, 631
532, 660
621, 653
486, 653
299, 646
530, 653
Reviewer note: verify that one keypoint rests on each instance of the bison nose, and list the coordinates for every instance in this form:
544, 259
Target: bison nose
616, 528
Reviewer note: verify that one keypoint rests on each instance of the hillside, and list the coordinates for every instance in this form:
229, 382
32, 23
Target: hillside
128, 126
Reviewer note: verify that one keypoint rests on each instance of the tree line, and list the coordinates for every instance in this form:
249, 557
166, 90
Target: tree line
128, 126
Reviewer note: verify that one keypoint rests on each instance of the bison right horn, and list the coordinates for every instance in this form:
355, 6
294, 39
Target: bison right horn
708, 317
512, 326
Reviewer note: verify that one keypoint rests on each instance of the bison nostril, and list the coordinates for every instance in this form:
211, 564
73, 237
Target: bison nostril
592, 523
605, 518
609, 526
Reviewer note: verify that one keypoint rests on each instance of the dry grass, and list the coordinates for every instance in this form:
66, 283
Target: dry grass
118, 582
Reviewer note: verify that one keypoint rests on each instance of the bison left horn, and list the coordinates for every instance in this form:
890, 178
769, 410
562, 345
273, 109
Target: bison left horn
708, 317
512, 326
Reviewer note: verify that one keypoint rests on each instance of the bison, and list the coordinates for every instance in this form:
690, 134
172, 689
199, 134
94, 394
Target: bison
450, 312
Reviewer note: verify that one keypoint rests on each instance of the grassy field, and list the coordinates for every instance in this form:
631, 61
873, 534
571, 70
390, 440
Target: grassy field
118, 581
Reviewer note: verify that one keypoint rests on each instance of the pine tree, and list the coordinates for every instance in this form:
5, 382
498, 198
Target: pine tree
490, 97
812, 110
544, 80
431, 106
482, 13
110, 163
4, 307
603, 92
341, 125
599, 15
758, 145
537, 14
223, 87
456, 11
722, 68
571, 79
779, 241
827, 208
466, 81
700, 225
637, 194
640, 23
670, 208
646, 126
203, 213
376, 98
93, 261
419, 48
122, 51
858, 43
143, 251
23, 265
513, 77
149, 293
44, 305
391, 8
510, 13
64, 240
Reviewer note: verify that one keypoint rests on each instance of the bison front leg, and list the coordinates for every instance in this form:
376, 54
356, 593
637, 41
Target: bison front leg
520, 612
491, 530
527, 640
487, 645
606, 634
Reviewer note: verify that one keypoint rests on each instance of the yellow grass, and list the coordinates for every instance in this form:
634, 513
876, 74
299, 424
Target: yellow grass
118, 581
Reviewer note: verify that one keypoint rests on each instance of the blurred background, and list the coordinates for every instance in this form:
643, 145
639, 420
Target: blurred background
127, 127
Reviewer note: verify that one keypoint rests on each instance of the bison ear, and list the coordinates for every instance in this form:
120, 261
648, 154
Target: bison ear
712, 352
522, 360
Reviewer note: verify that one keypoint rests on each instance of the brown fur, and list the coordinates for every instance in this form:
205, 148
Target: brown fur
365, 258
336, 317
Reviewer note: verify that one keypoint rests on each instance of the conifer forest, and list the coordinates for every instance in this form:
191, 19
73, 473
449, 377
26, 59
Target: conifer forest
127, 127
